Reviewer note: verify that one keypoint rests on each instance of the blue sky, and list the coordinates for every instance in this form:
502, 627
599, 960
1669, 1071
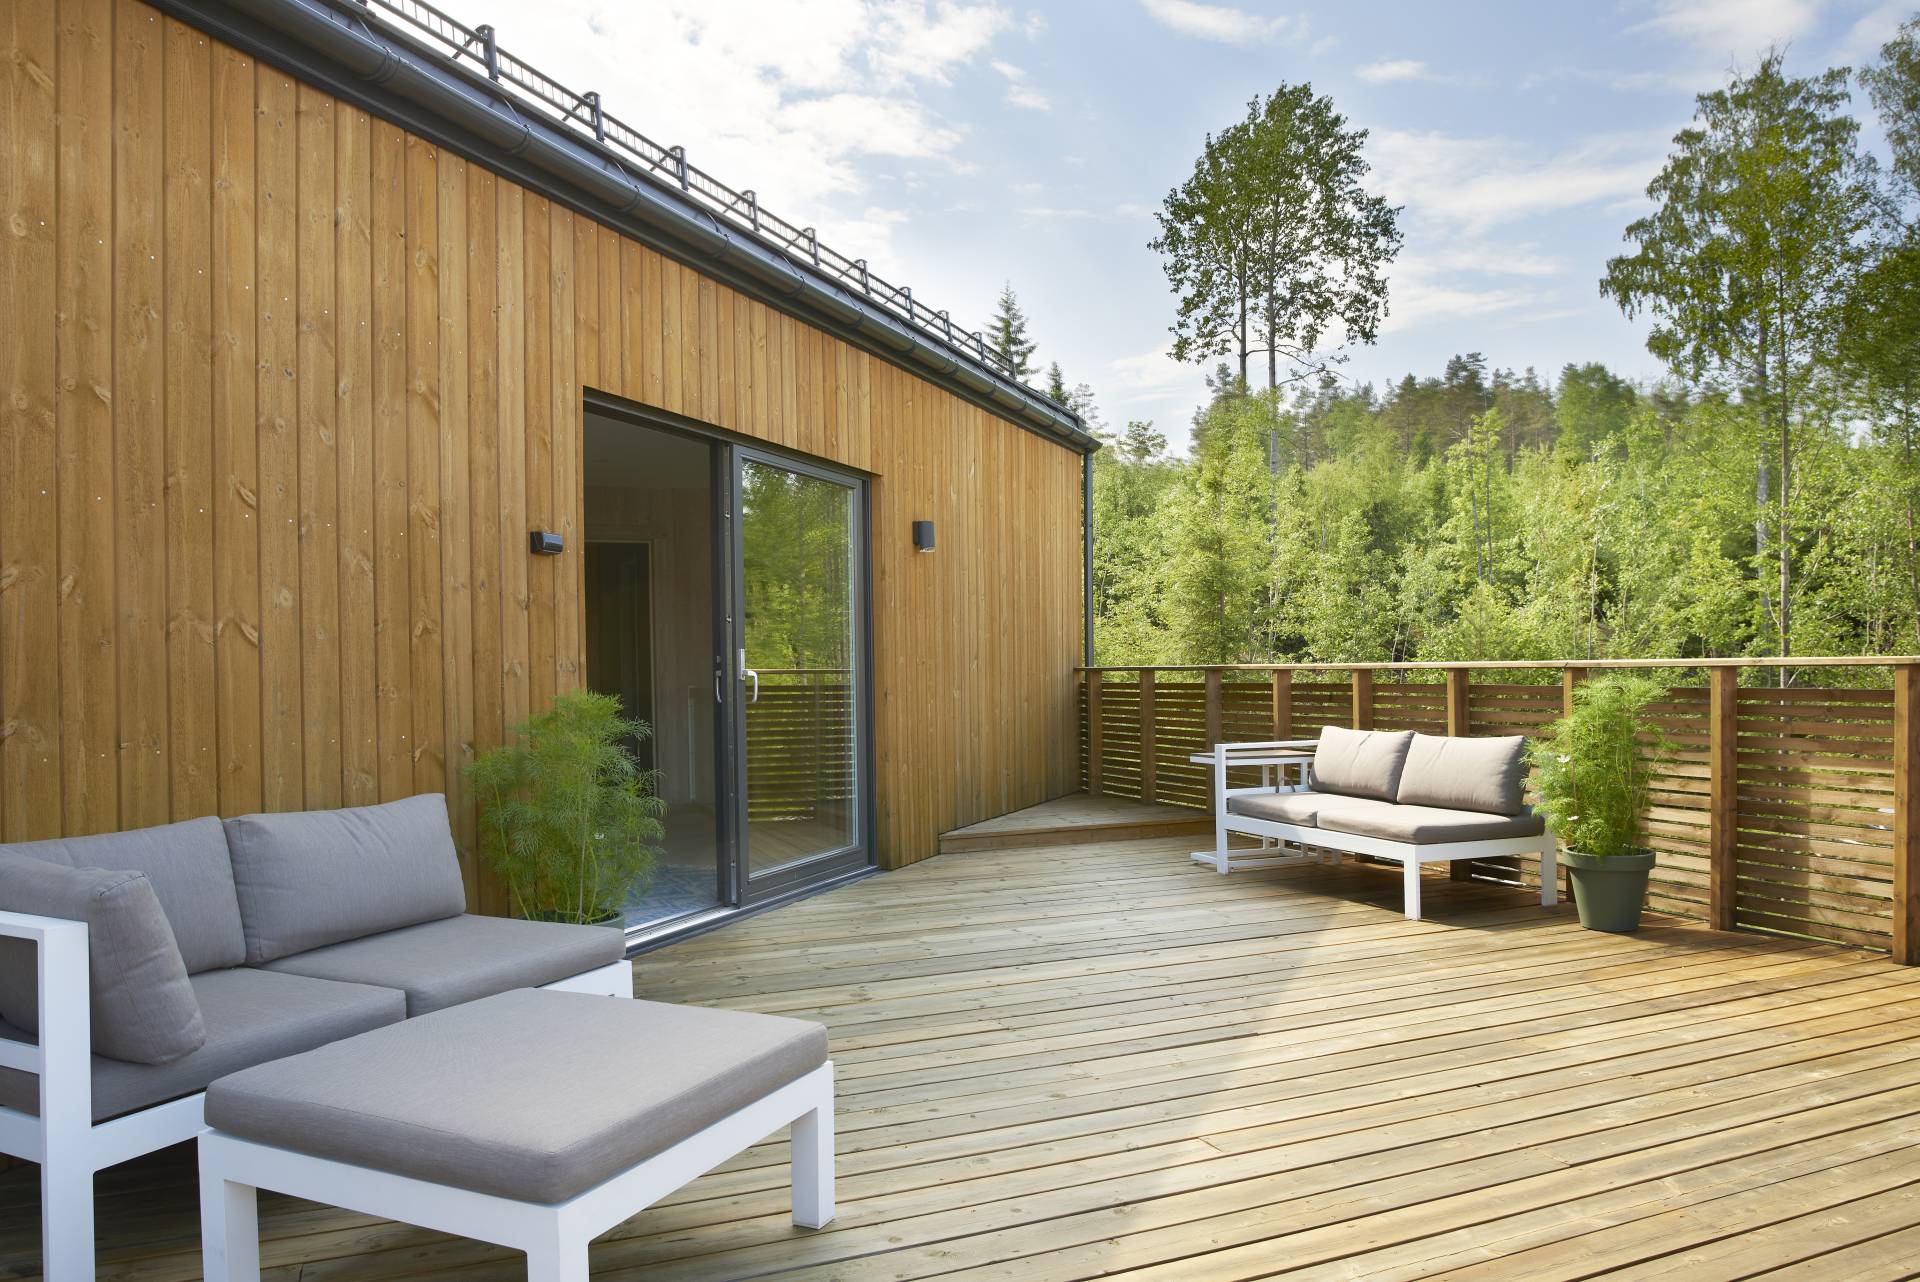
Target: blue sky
957, 144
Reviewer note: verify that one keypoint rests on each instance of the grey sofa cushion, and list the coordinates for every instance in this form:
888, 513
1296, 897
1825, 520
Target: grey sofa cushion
191, 875
1302, 808
1422, 825
142, 1005
252, 1016
307, 879
1360, 763
460, 959
1488, 775
530, 1095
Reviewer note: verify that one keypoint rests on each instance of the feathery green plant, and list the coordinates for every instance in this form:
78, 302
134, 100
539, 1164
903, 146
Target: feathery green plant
1595, 764
568, 819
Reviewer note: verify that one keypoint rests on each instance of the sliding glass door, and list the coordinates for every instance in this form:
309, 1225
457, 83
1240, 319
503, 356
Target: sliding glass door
798, 655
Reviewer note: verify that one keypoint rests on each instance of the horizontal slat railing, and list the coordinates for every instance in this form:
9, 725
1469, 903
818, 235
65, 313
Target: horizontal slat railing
1787, 810
800, 743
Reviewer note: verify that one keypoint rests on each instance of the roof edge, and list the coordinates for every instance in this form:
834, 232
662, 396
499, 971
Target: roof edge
334, 47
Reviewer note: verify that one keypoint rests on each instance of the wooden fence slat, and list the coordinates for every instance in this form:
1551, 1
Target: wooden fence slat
1906, 834
1723, 806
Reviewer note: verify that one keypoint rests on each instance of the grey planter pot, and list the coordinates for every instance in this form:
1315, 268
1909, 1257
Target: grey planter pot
1610, 891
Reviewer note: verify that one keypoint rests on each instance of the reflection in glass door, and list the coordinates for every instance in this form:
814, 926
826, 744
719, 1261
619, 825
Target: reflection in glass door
797, 660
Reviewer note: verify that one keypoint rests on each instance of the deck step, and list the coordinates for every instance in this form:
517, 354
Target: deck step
1077, 817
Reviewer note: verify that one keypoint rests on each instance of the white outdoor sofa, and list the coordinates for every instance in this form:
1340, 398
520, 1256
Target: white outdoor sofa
1410, 798
138, 968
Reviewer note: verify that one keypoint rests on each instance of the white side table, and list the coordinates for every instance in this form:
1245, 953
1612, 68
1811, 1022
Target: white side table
1283, 768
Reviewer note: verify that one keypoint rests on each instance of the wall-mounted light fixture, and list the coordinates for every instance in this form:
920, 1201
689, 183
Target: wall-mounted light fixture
923, 536
545, 543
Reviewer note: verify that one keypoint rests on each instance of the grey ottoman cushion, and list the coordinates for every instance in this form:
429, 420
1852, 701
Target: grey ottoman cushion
530, 1095
252, 1016
1302, 808
311, 878
1488, 775
460, 959
1360, 763
142, 1006
1423, 825
191, 875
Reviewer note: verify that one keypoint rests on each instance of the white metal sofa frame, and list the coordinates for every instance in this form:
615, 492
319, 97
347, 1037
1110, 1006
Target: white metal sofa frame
1406, 854
64, 1139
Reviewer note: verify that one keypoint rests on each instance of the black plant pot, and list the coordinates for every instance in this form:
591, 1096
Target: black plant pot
1608, 890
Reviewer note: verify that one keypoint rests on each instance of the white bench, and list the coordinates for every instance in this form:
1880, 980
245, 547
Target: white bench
1292, 817
548, 1119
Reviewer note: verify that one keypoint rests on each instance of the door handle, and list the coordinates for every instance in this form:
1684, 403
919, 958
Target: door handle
748, 674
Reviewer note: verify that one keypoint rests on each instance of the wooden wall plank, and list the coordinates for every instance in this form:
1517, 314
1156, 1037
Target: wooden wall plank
83, 255
317, 435
30, 782
428, 750
139, 415
321, 380
354, 340
191, 700
392, 563
455, 525
276, 190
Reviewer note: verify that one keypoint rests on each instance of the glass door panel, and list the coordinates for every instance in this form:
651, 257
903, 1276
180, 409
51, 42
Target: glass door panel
797, 663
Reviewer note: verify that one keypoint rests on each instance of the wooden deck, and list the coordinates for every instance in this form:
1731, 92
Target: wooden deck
1102, 1060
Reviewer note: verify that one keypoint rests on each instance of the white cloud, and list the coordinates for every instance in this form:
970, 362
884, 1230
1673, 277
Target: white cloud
1388, 70
1220, 22
1732, 28
1152, 375
1019, 92
1477, 183
1034, 25
788, 97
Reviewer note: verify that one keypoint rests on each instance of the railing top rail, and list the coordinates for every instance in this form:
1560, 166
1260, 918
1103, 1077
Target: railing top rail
1441, 665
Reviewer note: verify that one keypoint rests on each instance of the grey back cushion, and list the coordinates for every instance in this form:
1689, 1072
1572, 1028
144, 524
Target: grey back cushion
143, 1007
1360, 763
311, 878
1488, 775
191, 875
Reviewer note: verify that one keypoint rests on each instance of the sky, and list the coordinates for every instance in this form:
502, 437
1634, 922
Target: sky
959, 145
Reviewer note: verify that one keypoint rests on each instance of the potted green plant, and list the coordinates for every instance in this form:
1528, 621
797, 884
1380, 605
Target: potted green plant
568, 819
1593, 769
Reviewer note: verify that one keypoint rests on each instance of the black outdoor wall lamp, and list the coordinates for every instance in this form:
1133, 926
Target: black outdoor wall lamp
545, 543
923, 536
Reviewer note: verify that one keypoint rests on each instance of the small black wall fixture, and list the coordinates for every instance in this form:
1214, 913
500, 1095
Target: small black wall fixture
545, 543
923, 536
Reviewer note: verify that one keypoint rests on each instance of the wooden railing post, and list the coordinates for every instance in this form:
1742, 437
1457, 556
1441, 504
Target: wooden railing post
1095, 679
1214, 695
1147, 781
1906, 832
1457, 719
1363, 698
1569, 679
1283, 703
1723, 794
1457, 723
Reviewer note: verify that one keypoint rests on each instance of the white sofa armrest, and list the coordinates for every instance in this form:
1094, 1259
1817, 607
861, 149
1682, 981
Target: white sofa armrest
63, 1057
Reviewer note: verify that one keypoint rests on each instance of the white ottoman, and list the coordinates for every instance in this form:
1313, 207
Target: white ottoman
534, 1119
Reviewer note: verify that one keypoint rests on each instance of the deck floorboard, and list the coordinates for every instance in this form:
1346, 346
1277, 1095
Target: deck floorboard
1104, 1060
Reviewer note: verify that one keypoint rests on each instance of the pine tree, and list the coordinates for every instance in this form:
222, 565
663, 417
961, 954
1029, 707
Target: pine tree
1057, 386
1007, 334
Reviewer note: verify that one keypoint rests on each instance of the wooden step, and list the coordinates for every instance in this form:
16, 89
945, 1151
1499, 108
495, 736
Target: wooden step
1077, 817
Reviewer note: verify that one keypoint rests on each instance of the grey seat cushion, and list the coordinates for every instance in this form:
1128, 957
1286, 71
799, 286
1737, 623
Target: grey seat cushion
1423, 825
307, 879
1487, 775
530, 1095
1302, 808
1360, 763
143, 1009
252, 1016
191, 875
459, 959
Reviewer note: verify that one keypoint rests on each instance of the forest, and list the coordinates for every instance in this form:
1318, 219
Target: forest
1758, 500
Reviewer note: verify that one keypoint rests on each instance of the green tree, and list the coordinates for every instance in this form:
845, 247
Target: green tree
1747, 261
1057, 384
1592, 406
1007, 334
1273, 243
